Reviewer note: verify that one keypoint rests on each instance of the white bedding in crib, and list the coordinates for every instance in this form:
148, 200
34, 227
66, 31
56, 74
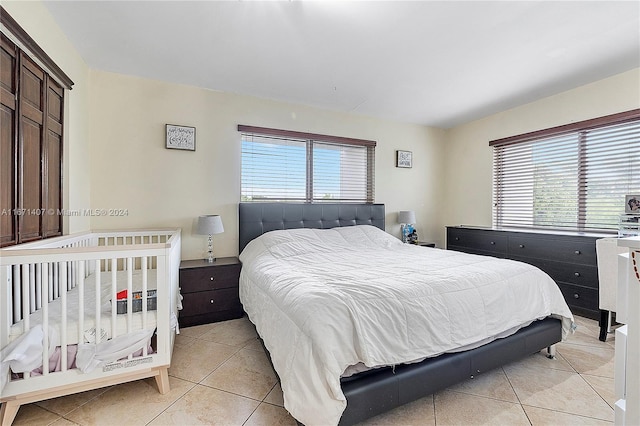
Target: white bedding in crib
122, 325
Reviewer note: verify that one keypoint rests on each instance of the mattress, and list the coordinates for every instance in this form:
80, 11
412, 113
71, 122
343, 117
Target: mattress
122, 324
325, 300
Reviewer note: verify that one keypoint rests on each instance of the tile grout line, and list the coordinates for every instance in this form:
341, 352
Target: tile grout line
516, 394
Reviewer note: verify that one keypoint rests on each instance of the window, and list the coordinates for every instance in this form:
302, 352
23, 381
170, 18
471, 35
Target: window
282, 165
572, 177
31, 112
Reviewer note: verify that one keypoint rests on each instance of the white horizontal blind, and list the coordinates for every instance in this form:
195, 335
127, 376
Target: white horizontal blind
611, 171
273, 169
286, 168
575, 181
340, 173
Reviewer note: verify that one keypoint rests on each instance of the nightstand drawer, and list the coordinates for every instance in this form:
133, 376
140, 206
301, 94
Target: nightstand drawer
203, 279
205, 302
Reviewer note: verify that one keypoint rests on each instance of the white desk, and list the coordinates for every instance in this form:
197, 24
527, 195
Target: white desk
627, 356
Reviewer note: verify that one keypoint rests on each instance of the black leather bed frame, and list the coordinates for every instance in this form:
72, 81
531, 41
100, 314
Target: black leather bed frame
377, 391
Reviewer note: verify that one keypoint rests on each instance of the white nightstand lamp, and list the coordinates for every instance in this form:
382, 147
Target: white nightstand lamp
209, 225
406, 219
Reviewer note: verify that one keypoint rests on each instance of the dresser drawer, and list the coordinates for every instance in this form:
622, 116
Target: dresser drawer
582, 250
572, 273
476, 241
206, 302
579, 296
203, 279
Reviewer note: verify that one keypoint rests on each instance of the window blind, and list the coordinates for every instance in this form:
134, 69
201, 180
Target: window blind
574, 180
281, 165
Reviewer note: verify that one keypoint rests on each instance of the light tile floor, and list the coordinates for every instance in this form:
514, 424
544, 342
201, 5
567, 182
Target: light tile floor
221, 376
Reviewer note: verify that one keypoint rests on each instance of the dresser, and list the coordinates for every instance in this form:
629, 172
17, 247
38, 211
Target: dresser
209, 291
569, 259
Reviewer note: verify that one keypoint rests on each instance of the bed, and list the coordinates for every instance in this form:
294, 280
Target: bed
357, 323
85, 311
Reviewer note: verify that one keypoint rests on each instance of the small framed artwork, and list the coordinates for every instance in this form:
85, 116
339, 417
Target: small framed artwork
632, 204
404, 159
181, 137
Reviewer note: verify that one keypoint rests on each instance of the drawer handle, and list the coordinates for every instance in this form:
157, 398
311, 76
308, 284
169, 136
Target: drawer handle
577, 252
493, 243
575, 296
521, 245
211, 278
457, 238
577, 274
211, 300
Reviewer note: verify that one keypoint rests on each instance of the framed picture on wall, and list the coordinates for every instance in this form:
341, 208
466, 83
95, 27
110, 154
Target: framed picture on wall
181, 137
632, 204
404, 159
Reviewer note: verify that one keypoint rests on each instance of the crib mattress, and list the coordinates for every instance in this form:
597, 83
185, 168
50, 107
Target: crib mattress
108, 328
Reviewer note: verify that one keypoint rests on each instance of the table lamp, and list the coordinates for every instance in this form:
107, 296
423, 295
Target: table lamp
209, 225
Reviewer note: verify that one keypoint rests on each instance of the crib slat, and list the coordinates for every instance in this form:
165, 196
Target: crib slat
114, 297
129, 293
45, 317
56, 280
32, 289
80, 286
144, 298
38, 287
17, 293
63, 319
98, 321
26, 297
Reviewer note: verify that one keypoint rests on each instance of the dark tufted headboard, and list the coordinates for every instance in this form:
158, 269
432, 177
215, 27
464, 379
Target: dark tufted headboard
257, 218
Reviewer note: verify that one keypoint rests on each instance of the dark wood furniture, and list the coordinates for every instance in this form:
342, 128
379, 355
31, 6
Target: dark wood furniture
374, 392
209, 291
569, 259
426, 244
31, 138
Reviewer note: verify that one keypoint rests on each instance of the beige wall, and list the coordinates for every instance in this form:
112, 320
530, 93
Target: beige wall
115, 157
468, 158
34, 18
131, 168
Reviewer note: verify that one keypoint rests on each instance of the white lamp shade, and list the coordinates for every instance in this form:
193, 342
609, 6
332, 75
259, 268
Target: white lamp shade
407, 216
210, 224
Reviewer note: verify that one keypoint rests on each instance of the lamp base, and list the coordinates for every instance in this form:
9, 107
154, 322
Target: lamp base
210, 257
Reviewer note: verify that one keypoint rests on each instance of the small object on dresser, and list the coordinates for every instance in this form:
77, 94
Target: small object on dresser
406, 219
629, 225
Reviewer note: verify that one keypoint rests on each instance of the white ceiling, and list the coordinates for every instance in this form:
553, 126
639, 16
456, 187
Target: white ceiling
436, 63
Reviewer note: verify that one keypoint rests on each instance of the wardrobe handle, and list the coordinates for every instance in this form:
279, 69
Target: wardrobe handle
211, 301
457, 238
521, 245
576, 296
493, 243
577, 274
577, 252
211, 278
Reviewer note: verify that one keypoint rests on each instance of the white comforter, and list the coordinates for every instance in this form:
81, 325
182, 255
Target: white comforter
324, 300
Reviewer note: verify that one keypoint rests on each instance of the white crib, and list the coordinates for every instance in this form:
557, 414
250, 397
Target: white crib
63, 293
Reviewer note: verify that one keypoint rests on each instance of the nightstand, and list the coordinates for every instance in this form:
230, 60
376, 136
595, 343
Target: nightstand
426, 244
209, 291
